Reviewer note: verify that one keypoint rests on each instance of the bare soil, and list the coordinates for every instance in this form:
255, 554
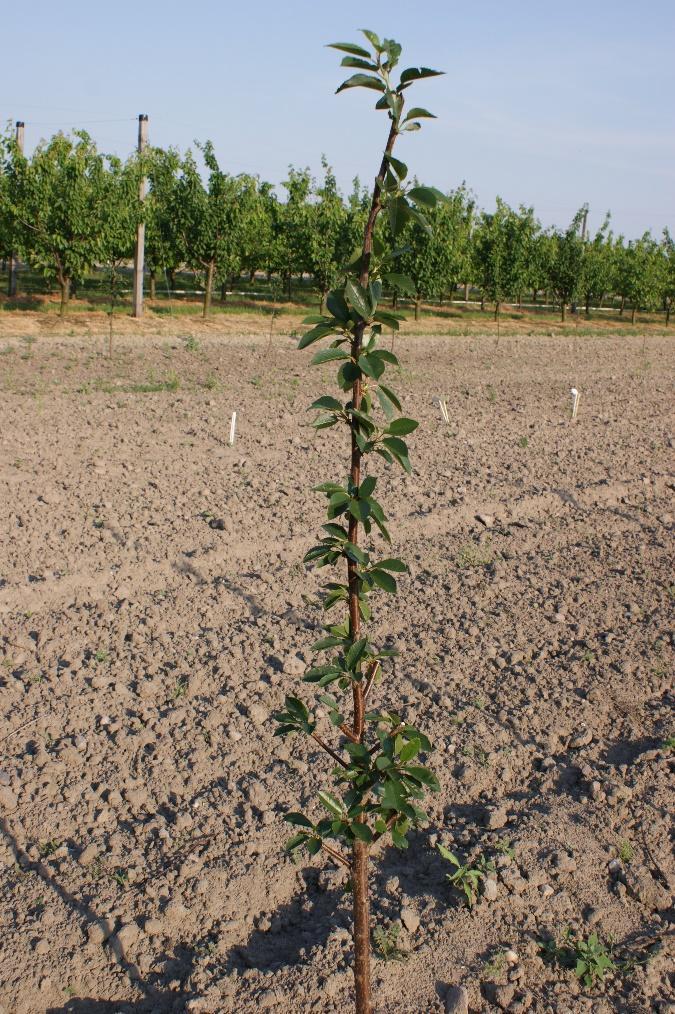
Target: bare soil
143, 650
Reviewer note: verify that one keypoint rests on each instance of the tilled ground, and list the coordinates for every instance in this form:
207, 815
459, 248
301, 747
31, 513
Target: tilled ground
141, 788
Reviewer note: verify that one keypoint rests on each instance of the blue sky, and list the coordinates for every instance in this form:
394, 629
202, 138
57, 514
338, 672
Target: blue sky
550, 104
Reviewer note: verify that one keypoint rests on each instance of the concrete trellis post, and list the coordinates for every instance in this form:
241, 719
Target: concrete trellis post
11, 265
139, 250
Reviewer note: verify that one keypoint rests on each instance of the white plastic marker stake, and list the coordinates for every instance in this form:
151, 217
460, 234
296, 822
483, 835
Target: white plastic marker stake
444, 411
575, 401
233, 426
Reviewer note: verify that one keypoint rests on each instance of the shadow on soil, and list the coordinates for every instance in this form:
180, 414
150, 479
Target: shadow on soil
156, 999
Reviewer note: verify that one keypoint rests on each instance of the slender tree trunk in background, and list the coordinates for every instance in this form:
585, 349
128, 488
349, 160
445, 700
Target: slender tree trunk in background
208, 289
588, 304
223, 292
601, 300
623, 304
417, 308
497, 305
482, 302
534, 296
520, 300
289, 286
466, 292
633, 312
153, 284
171, 275
64, 285
563, 307
668, 306
394, 301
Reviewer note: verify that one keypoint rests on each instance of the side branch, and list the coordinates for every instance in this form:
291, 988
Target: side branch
329, 750
337, 856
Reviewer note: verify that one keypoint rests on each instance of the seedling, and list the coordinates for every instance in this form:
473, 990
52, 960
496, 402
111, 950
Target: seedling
523, 442
467, 878
48, 848
180, 689
591, 960
378, 762
101, 655
385, 941
504, 846
626, 851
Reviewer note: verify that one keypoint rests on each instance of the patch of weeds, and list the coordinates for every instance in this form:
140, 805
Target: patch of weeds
385, 942
180, 689
491, 393
480, 703
98, 523
102, 655
496, 967
256, 381
467, 878
588, 656
626, 851
590, 960
211, 382
669, 744
505, 847
475, 554
523, 442
48, 848
120, 876
191, 344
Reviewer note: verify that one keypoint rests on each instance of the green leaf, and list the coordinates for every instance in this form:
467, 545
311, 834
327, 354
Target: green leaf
328, 403
295, 842
320, 331
329, 487
299, 819
391, 396
399, 840
349, 47
373, 39
361, 831
399, 450
359, 298
398, 210
326, 642
389, 320
426, 196
336, 304
372, 367
416, 113
368, 485
384, 580
409, 751
417, 73
359, 509
400, 427
355, 553
332, 804
327, 355
401, 282
398, 566
400, 168
361, 81
355, 61
355, 653
313, 846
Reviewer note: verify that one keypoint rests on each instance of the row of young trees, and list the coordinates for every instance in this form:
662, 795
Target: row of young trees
68, 208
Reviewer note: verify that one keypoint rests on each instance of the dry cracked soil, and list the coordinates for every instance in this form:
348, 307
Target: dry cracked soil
143, 651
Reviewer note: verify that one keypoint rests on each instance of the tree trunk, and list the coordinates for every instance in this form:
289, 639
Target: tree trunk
289, 286
497, 305
623, 304
251, 276
633, 312
482, 302
153, 284
208, 289
417, 308
520, 300
668, 305
534, 296
223, 292
394, 301
171, 275
64, 285
601, 300
466, 292
563, 307
361, 927
588, 304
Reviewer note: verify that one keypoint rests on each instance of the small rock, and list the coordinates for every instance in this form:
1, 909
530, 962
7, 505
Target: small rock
582, 738
490, 889
511, 957
88, 855
457, 1000
485, 519
410, 919
99, 931
153, 927
500, 996
642, 886
41, 947
257, 714
8, 800
495, 819
218, 524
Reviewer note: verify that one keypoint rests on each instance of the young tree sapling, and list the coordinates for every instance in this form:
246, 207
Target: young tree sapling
379, 772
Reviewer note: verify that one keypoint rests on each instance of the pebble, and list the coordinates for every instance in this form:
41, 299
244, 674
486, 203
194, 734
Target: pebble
98, 932
257, 714
410, 919
218, 524
564, 863
495, 819
8, 800
581, 739
88, 855
490, 889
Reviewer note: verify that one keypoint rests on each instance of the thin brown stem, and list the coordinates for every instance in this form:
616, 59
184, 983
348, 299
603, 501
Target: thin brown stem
370, 679
346, 731
337, 856
329, 750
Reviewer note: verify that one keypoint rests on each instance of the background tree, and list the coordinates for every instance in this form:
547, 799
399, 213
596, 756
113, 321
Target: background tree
565, 266
668, 273
327, 226
294, 228
492, 267
642, 274
121, 212
597, 266
57, 208
163, 250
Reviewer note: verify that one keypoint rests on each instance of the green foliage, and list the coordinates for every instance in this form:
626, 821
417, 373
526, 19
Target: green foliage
590, 959
467, 878
385, 940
